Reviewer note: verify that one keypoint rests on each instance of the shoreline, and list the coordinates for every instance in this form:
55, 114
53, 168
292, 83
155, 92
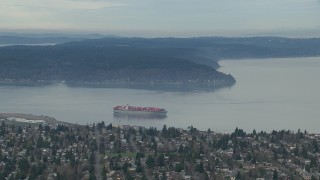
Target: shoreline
152, 85
14, 119
31, 119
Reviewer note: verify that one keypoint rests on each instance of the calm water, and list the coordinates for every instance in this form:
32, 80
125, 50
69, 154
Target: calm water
269, 94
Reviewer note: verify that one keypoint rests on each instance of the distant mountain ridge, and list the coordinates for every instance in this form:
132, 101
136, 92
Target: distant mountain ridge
14, 40
143, 60
7, 38
216, 48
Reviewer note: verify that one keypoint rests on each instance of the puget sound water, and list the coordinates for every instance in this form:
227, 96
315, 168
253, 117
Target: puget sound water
269, 94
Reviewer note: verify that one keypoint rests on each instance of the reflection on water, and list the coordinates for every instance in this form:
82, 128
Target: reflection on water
138, 117
139, 120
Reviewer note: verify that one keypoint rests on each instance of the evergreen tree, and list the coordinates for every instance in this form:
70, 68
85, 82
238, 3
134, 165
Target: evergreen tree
315, 146
275, 175
199, 168
150, 162
24, 165
161, 160
178, 167
164, 131
238, 176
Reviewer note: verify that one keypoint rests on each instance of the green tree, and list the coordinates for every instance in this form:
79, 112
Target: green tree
307, 168
178, 167
199, 168
139, 169
104, 173
238, 176
313, 178
20, 130
275, 175
164, 131
24, 165
254, 132
248, 157
315, 146
296, 151
150, 162
160, 160
129, 176
109, 127
304, 153
40, 141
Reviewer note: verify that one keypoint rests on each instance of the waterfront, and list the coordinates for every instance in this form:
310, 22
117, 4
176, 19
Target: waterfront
269, 94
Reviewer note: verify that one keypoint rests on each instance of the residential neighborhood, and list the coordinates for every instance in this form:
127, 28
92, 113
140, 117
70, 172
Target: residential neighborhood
100, 151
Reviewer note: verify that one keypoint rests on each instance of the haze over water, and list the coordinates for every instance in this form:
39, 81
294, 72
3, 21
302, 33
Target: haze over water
269, 94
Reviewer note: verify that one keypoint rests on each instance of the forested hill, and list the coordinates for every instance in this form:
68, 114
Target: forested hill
219, 47
139, 60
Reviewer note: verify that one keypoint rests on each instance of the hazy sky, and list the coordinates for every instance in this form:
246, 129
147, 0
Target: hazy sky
162, 17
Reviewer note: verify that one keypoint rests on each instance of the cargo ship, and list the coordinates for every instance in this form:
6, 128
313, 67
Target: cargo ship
138, 110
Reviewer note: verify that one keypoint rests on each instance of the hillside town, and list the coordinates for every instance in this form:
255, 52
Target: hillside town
100, 151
